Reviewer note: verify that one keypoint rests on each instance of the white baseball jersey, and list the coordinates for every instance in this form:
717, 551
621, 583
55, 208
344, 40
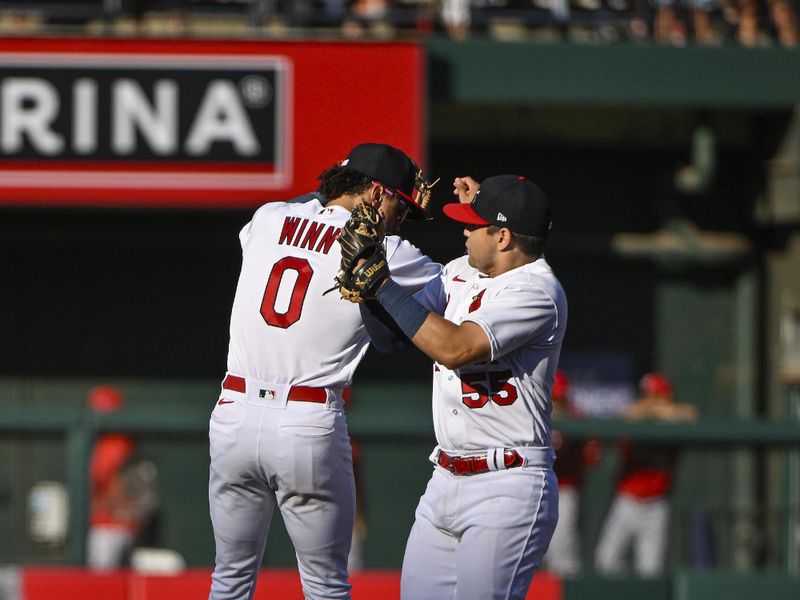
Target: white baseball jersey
504, 402
290, 257
266, 450
483, 535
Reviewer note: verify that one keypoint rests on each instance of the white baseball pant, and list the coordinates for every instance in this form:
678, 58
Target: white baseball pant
107, 546
268, 452
563, 555
480, 537
640, 523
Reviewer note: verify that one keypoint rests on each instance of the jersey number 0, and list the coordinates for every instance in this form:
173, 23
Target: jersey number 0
295, 308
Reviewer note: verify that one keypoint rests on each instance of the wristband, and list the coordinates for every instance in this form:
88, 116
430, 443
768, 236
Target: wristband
406, 312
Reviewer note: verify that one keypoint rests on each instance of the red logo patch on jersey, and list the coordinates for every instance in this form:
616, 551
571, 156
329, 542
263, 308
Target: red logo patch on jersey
476, 301
223, 401
457, 278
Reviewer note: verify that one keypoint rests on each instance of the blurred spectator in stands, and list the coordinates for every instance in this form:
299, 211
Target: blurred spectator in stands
22, 21
365, 13
640, 513
564, 554
786, 22
168, 14
607, 20
335, 10
639, 26
123, 492
669, 27
781, 14
456, 18
262, 11
749, 32
300, 13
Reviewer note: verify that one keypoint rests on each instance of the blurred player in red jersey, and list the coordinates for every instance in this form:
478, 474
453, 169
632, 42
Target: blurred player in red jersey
563, 556
640, 513
122, 497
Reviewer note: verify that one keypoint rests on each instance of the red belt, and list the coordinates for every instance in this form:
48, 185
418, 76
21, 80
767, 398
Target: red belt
472, 465
297, 393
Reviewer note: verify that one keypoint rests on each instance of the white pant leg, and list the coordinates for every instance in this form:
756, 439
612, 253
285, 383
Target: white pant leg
316, 495
651, 541
429, 566
563, 555
107, 546
480, 536
506, 520
616, 535
267, 452
240, 501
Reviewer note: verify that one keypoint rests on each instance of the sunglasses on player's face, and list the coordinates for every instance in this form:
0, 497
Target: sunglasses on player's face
403, 204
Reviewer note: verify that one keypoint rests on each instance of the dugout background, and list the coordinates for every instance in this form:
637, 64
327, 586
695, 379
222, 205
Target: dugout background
141, 295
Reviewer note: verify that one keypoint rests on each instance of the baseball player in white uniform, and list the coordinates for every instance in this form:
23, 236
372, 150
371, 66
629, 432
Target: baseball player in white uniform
493, 323
278, 435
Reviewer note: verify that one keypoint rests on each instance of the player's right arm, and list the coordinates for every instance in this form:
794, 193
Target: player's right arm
518, 314
386, 335
411, 269
419, 320
414, 272
452, 345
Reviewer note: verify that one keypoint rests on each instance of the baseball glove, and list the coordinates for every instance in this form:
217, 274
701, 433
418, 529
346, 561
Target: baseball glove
362, 238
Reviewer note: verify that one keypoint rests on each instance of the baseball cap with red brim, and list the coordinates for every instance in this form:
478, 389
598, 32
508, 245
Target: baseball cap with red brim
393, 169
506, 201
656, 384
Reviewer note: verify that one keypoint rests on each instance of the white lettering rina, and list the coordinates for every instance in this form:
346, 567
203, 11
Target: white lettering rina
30, 106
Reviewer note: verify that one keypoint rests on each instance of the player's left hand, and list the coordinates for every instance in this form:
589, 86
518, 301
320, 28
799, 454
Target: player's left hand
465, 189
364, 266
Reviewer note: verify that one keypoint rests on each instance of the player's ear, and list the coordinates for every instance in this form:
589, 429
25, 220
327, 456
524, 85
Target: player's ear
505, 239
375, 195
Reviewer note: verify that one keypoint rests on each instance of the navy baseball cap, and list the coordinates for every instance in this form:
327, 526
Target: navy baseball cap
395, 170
506, 201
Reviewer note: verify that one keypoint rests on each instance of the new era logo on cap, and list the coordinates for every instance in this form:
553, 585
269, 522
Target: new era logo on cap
506, 201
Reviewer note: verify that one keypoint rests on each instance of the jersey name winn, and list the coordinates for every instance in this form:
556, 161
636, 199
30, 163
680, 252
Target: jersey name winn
289, 256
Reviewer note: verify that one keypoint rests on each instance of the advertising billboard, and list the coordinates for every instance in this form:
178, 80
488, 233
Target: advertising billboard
195, 123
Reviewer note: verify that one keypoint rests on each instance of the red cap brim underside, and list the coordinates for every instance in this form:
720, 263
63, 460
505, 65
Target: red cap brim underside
463, 213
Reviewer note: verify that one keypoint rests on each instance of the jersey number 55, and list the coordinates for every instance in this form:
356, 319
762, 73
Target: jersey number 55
478, 388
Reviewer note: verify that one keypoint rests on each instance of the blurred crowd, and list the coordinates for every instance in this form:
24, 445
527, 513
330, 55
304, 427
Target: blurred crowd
669, 22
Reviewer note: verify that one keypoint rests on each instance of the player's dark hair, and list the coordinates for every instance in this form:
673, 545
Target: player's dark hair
341, 181
531, 245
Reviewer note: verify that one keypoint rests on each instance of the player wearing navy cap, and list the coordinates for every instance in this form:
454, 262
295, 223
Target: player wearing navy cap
493, 322
278, 435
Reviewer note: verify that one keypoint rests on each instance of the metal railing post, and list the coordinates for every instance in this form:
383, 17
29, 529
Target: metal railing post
79, 440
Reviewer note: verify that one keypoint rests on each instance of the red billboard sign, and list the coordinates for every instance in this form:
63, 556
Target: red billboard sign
195, 123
